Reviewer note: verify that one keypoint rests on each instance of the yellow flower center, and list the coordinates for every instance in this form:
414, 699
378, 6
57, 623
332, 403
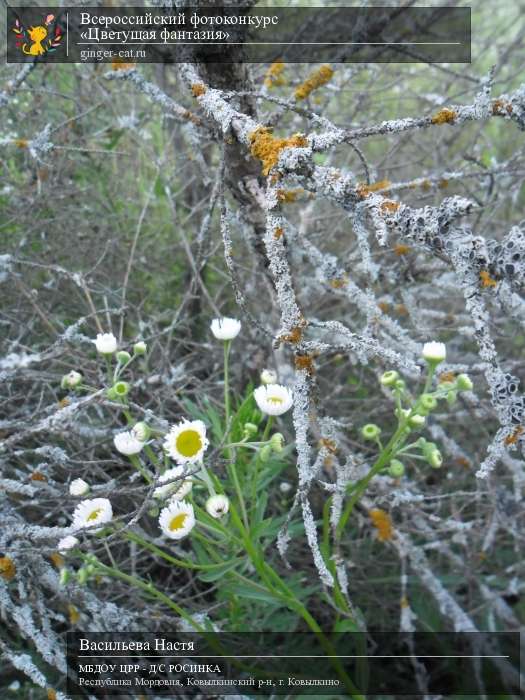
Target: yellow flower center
94, 515
189, 443
275, 399
177, 523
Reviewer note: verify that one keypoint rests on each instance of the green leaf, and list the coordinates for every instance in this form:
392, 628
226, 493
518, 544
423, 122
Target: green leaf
215, 574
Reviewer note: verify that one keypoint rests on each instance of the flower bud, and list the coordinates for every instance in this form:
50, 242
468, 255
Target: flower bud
432, 455
82, 576
78, 487
153, 512
452, 398
417, 421
276, 442
268, 376
121, 389
427, 402
265, 453
249, 430
370, 431
123, 357
141, 431
285, 487
399, 384
71, 380
217, 505
389, 378
464, 382
140, 348
396, 469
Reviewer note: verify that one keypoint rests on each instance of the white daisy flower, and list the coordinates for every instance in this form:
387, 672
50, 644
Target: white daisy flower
268, 376
273, 399
127, 443
176, 489
186, 442
217, 505
225, 328
95, 511
78, 487
434, 352
106, 343
67, 543
177, 519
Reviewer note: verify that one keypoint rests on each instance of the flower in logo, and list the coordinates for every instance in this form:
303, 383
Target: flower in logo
37, 40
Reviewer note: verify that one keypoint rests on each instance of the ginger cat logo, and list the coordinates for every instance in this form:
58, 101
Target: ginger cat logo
37, 40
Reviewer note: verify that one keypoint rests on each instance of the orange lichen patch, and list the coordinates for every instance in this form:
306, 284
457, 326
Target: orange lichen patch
274, 179
328, 445
463, 462
38, 476
446, 377
7, 568
403, 603
401, 249
486, 279
500, 108
57, 559
401, 310
51, 694
443, 183
278, 233
384, 306
328, 461
195, 119
389, 206
364, 190
305, 362
512, 439
119, 64
267, 148
383, 524
63, 402
315, 80
74, 615
274, 75
295, 335
444, 116
21, 143
288, 196
426, 185
339, 282
198, 89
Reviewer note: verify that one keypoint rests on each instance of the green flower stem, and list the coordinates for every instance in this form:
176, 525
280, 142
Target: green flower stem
267, 428
233, 473
389, 452
227, 346
134, 459
383, 459
230, 454
109, 371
